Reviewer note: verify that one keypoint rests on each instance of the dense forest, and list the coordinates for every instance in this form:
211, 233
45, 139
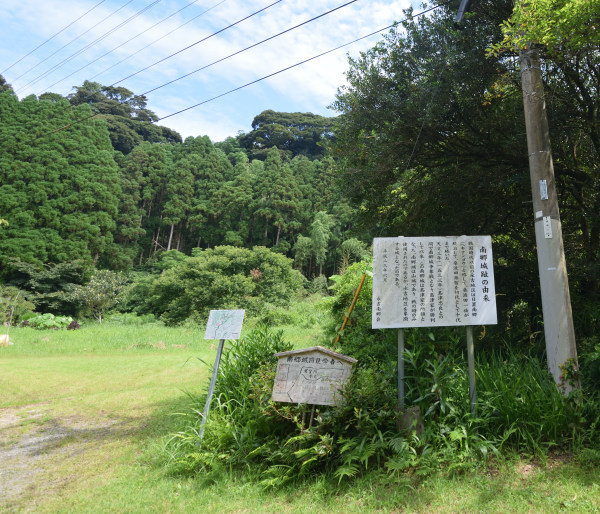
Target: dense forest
428, 139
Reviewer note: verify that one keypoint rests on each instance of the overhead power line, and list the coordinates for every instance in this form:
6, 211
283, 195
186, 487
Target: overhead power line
248, 47
77, 122
97, 40
52, 37
70, 42
300, 63
157, 40
122, 44
197, 42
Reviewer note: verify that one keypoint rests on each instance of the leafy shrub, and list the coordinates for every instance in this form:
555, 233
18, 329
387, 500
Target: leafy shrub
49, 321
49, 285
73, 325
519, 409
100, 293
15, 305
223, 277
359, 340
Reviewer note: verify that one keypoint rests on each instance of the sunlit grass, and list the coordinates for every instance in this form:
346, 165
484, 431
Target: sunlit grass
107, 397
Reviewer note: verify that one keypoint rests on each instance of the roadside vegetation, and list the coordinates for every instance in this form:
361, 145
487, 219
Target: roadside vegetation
105, 417
117, 238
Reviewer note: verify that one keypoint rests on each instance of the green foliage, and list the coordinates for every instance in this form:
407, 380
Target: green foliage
100, 293
128, 120
49, 286
558, 25
296, 133
519, 409
222, 277
15, 305
358, 339
236, 423
48, 321
59, 189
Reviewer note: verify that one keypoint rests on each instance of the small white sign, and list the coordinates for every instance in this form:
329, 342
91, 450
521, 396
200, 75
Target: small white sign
543, 190
224, 324
433, 281
547, 227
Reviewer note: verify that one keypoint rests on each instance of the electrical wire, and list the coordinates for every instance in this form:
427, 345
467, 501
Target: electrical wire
196, 43
89, 45
247, 48
122, 44
70, 42
157, 40
52, 37
77, 122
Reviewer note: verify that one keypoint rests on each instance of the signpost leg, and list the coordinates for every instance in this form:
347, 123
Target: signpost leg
401, 368
211, 389
471, 358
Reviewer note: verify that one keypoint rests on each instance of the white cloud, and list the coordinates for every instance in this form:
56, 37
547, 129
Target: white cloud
310, 87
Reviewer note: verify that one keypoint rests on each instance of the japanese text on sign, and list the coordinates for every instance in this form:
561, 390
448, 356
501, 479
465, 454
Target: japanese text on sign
433, 281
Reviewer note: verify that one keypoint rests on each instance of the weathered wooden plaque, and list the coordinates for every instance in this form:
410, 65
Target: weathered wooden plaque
312, 375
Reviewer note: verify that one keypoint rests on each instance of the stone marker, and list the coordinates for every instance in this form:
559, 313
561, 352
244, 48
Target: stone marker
311, 375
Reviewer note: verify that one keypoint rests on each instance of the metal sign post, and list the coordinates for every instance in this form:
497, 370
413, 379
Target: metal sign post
433, 282
221, 325
211, 389
471, 359
401, 368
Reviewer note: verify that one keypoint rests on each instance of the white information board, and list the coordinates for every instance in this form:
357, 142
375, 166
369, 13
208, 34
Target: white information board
224, 324
433, 281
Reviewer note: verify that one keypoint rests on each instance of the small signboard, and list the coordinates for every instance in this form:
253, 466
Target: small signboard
224, 324
433, 281
312, 375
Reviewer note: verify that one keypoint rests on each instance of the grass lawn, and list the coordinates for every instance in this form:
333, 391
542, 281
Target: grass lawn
84, 416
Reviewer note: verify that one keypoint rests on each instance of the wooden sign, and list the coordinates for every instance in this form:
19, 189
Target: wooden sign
312, 375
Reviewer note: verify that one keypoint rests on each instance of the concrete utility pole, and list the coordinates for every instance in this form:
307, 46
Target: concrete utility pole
554, 283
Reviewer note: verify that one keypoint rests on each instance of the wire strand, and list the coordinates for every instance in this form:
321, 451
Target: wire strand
51, 37
77, 122
69, 43
196, 43
248, 47
157, 40
97, 40
122, 44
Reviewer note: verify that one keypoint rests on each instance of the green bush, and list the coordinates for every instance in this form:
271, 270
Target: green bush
359, 340
15, 305
224, 277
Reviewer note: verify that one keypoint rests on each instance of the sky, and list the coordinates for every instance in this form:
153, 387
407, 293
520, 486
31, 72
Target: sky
54, 45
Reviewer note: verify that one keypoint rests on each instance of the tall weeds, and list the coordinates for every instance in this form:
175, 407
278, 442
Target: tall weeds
519, 410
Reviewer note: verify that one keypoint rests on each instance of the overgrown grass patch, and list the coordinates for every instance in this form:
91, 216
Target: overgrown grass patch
91, 412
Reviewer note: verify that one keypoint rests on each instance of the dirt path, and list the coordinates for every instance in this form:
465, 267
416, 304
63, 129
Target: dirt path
33, 443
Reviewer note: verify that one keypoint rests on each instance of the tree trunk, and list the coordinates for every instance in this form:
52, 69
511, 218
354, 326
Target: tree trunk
277, 237
156, 240
170, 236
